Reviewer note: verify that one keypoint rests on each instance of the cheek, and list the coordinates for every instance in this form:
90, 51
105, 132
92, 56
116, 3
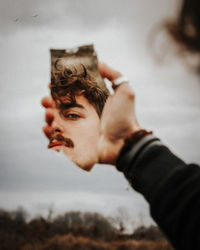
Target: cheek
91, 129
87, 135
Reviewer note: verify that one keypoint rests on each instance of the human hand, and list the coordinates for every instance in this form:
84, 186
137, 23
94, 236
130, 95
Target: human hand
47, 103
118, 119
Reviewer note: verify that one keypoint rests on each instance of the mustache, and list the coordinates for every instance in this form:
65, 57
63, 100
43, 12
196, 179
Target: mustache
65, 141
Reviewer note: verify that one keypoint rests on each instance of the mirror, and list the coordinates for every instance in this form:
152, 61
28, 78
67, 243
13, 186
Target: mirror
79, 94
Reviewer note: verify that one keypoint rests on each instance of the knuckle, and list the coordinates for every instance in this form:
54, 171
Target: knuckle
127, 91
131, 94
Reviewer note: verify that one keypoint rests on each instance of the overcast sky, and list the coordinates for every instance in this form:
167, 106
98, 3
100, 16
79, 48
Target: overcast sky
168, 98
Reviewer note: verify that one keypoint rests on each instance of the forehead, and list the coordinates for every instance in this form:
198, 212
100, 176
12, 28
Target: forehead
80, 102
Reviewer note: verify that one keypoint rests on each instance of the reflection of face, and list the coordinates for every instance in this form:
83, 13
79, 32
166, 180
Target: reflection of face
79, 124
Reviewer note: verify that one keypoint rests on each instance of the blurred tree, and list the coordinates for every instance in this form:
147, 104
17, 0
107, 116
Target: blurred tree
120, 219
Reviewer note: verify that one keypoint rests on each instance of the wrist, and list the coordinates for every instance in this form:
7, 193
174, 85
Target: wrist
111, 152
123, 144
131, 140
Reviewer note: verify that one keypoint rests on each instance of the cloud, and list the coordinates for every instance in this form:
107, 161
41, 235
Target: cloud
87, 14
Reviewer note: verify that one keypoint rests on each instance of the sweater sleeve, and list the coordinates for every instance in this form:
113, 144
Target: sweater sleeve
171, 187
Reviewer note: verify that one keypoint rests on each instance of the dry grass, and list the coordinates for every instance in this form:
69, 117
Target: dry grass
70, 242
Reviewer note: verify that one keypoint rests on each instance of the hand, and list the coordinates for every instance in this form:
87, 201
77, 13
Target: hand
48, 104
118, 119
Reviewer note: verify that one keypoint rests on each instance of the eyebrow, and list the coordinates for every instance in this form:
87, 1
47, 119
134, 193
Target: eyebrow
70, 105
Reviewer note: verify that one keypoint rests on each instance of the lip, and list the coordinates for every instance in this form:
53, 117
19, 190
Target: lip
55, 144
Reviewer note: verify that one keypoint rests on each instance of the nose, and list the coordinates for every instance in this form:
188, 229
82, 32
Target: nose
56, 124
57, 129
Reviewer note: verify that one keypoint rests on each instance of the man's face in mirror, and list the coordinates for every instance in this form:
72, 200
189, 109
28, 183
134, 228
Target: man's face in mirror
75, 130
73, 120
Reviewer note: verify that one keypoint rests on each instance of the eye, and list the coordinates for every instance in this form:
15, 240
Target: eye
72, 116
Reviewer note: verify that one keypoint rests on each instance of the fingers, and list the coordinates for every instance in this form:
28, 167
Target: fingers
49, 117
108, 72
126, 91
48, 131
47, 102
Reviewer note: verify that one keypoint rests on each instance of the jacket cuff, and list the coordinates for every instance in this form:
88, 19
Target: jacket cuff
125, 160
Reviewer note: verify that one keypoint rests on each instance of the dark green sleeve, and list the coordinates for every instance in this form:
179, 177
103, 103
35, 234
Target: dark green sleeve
172, 189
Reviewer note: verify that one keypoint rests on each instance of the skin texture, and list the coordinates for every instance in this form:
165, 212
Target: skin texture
91, 139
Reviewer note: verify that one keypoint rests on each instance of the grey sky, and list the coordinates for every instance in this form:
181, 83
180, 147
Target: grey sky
168, 98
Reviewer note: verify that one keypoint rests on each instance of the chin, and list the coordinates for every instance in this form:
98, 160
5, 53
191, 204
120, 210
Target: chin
86, 166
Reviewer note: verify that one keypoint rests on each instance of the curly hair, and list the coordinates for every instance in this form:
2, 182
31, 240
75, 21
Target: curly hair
185, 29
65, 86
